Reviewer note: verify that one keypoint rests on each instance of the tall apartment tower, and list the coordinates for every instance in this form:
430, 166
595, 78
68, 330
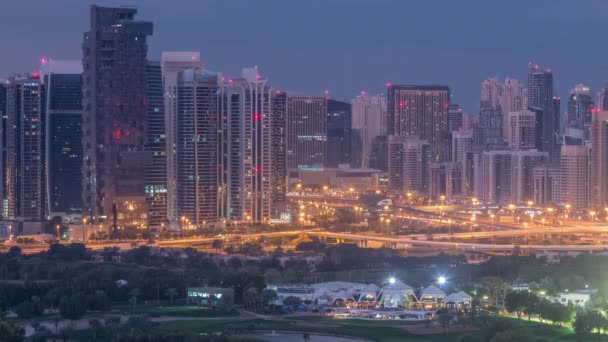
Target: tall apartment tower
278, 150
540, 100
421, 111
245, 148
574, 176
408, 164
503, 97
198, 117
115, 116
306, 131
521, 130
580, 106
3, 135
599, 159
63, 92
369, 117
172, 62
455, 117
508, 176
156, 171
338, 133
26, 149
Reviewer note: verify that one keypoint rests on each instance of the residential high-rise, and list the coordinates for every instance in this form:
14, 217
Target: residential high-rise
278, 178
489, 130
369, 117
599, 159
115, 116
574, 176
503, 96
379, 153
63, 93
3, 136
172, 62
156, 145
245, 149
508, 176
546, 184
521, 132
455, 117
306, 131
338, 133
356, 148
580, 106
540, 100
421, 111
408, 164
197, 121
26, 149
462, 142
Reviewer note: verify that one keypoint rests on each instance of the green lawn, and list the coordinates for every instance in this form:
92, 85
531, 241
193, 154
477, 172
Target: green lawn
380, 331
178, 310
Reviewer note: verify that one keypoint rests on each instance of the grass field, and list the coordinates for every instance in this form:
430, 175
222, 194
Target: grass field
380, 331
178, 310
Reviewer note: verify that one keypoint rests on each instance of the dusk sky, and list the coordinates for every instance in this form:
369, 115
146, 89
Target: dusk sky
344, 46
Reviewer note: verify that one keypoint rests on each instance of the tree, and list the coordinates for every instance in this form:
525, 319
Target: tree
217, 245
292, 301
72, 307
14, 251
133, 294
515, 301
171, 293
10, 332
306, 337
99, 301
532, 305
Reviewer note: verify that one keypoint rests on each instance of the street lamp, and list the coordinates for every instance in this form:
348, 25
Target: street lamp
530, 204
526, 233
592, 213
441, 280
58, 236
392, 280
567, 209
409, 197
388, 226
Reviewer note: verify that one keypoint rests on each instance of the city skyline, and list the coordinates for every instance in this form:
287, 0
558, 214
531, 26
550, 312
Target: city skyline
455, 52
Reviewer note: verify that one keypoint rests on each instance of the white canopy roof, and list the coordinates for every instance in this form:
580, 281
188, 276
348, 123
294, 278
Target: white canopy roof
458, 297
433, 290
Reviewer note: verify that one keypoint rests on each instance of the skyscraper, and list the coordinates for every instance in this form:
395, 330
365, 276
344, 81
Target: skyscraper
455, 117
63, 92
421, 111
115, 116
278, 178
580, 105
338, 132
540, 100
245, 148
408, 163
3, 136
26, 149
306, 131
172, 63
156, 146
599, 159
509, 175
521, 132
379, 153
574, 176
369, 117
198, 117
489, 130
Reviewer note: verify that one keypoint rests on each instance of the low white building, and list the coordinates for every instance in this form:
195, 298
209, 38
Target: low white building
580, 298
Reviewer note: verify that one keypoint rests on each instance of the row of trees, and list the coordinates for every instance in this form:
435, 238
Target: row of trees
528, 303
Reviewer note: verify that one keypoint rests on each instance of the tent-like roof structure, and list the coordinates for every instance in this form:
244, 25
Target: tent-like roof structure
397, 286
458, 297
433, 291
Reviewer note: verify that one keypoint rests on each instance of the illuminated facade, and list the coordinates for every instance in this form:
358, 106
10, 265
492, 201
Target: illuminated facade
25, 148
114, 116
421, 111
245, 149
197, 143
306, 131
369, 118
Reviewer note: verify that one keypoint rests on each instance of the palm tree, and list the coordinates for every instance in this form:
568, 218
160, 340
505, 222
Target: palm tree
171, 293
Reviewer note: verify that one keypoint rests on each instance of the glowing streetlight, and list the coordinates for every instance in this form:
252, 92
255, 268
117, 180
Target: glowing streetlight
441, 280
592, 213
392, 280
